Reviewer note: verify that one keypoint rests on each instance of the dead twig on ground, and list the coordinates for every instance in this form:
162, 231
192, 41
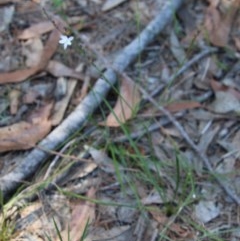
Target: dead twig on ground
189, 141
138, 134
171, 118
187, 65
77, 119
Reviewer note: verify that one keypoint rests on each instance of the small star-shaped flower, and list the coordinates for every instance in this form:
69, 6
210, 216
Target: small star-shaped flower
66, 41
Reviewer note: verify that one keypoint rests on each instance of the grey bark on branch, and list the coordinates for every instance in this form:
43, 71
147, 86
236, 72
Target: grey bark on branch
11, 181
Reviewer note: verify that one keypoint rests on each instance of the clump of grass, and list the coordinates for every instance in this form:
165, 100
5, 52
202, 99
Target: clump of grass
6, 226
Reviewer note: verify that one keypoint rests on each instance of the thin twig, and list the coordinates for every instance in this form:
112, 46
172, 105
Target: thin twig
189, 141
191, 62
57, 157
151, 128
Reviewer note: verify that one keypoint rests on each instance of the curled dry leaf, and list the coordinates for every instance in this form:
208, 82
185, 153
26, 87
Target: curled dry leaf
217, 86
18, 75
21, 75
25, 135
218, 24
32, 50
177, 48
127, 102
185, 105
38, 29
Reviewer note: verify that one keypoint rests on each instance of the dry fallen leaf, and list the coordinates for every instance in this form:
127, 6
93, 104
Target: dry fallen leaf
58, 69
128, 99
217, 86
177, 231
25, 135
21, 75
185, 105
3, 2
237, 43
32, 50
18, 75
173, 107
205, 211
38, 29
177, 48
229, 164
226, 98
61, 105
218, 24
225, 102
110, 4
83, 214
101, 159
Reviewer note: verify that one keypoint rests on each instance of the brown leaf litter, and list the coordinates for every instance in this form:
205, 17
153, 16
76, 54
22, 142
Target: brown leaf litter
26, 134
21, 75
203, 99
126, 105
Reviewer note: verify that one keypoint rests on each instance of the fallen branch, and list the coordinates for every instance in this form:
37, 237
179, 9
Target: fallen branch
10, 181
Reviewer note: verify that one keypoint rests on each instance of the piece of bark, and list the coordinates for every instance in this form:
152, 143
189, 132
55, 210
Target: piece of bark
10, 181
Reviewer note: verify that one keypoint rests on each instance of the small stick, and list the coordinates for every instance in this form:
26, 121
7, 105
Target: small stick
57, 157
191, 62
189, 141
151, 128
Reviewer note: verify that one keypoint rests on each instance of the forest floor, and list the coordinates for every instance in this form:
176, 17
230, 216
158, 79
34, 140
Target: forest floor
119, 120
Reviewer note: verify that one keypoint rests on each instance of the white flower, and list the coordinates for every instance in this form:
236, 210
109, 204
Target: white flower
65, 41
